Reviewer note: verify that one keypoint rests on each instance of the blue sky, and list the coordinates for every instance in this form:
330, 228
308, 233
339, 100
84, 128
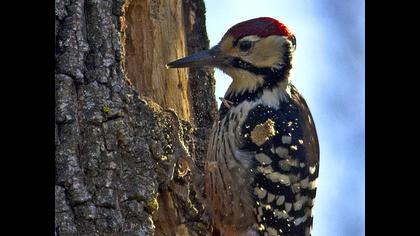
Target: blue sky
329, 73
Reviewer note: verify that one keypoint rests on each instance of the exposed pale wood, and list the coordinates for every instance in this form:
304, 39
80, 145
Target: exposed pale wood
155, 35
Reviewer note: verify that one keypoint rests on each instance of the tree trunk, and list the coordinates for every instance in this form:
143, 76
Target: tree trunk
121, 151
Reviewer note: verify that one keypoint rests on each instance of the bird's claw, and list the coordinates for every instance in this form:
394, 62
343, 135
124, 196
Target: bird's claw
226, 102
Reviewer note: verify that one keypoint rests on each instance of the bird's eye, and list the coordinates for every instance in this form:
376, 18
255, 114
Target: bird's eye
244, 46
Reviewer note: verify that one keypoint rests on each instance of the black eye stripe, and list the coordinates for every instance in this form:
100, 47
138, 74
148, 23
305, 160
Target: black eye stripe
245, 45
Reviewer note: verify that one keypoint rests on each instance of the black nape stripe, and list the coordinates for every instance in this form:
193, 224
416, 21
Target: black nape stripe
241, 64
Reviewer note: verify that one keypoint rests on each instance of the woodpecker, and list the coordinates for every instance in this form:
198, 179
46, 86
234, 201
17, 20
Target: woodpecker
263, 153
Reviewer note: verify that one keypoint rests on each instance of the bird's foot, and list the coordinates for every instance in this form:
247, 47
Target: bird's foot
226, 102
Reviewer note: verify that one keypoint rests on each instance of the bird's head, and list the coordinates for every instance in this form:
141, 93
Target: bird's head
256, 53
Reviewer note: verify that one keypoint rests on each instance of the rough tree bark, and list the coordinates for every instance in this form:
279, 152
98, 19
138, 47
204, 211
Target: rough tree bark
119, 150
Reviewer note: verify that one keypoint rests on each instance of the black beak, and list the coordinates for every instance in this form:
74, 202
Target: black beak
210, 58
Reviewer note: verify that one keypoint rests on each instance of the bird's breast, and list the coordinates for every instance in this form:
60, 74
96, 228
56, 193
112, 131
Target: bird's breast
228, 177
